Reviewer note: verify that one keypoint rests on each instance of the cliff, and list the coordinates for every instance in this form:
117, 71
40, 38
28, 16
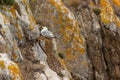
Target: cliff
86, 47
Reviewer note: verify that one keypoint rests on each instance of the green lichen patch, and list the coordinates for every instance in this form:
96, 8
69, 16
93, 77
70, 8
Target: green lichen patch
7, 2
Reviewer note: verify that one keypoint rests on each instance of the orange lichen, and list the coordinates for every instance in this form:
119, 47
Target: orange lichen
33, 0
14, 56
69, 30
31, 18
116, 2
91, 3
85, 63
117, 22
5, 18
2, 64
82, 50
18, 31
62, 62
107, 13
15, 71
69, 53
12, 10
24, 1
3, 30
19, 35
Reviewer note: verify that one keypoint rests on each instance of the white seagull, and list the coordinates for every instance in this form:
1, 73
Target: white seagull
46, 33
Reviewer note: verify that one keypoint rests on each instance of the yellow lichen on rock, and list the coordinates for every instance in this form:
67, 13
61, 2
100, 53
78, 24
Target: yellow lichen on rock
67, 21
72, 41
116, 2
24, 1
91, 4
33, 0
9, 68
12, 10
2, 64
15, 72
33, 22
107, 13
62, 62
30, 16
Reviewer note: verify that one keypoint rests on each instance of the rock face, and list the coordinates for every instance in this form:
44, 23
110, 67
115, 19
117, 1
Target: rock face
86, 47
9, 70
70, 43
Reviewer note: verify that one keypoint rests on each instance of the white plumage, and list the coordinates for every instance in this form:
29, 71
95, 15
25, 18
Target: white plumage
46, 33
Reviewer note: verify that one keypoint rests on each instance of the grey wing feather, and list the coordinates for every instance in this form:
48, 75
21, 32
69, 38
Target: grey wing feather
47, 34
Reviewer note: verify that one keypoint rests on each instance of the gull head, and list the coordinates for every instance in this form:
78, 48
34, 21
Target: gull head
45, 28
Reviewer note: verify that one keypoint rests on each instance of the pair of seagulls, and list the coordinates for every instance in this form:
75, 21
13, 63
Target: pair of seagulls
46, 33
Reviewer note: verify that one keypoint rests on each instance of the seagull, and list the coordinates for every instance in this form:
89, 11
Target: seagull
46, 33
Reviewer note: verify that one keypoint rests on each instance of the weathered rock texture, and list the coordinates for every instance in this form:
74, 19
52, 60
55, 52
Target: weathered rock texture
87, 46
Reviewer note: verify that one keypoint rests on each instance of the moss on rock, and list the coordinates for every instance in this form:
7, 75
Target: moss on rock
8, 2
